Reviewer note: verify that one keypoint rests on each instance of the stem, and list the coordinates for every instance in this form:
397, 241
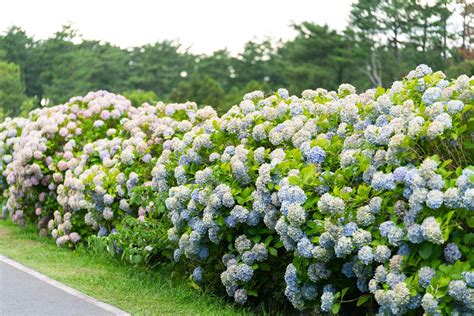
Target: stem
353, 300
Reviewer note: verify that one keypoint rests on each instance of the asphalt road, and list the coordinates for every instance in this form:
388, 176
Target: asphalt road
22, 293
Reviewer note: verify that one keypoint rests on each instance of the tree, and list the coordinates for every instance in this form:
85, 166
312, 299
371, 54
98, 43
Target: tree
255, 63
138, 97
159, 67
74, 66
218, 66
364, 28
21, 49
466, 8
12, 89
201, 89
384, 40
317, 57
396, 35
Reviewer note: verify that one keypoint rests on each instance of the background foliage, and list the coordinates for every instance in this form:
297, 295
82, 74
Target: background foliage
382, 42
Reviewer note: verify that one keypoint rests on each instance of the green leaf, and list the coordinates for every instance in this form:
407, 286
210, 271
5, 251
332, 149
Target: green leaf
469, 239
256, 239
470, 221
444, 281
336, 308
363, 299
272, 251
264, 266
425, 250
252, 293
268, 240
194, 285
136, 259
343, 292
449, 216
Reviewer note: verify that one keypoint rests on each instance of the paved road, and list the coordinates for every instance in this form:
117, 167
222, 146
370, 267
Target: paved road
25, 292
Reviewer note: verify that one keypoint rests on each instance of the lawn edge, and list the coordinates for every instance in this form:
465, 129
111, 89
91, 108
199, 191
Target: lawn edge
69, 290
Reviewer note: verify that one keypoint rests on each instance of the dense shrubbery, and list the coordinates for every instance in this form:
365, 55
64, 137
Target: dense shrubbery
331, 198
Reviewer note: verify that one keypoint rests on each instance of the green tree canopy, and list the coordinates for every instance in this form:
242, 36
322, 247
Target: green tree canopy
384, 40
138, 97
12, 89
201, 89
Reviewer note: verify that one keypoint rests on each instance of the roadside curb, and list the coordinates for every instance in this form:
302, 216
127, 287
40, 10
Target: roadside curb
109, 308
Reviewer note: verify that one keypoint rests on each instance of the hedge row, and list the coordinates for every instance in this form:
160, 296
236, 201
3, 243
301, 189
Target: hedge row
331, 198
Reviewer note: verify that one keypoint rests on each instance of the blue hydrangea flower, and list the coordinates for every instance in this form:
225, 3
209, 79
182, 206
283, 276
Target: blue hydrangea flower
468, 199
434, 199
382, 253
309, 291
362, 285
365, 255
248, 257
315, 155
244, 272
432, 230
419, 72
197, 274
347, 269
393, 278
327, 300
451, 198
400, 173
381, 181
305, 247
469, 277
290, 194
404, 250
349, 229
242, 243
361, 237
318, 271
240, 296
291, 278
296, 215
395, 236
343, 247
375, 204
203, 253
457, 289
296, 109
431, 95
452, 253
103, 231
230, 221
425, 275
429, 303
455, 106
415, 234
380, 274
415, 302
326, 240
283, 93
177, 255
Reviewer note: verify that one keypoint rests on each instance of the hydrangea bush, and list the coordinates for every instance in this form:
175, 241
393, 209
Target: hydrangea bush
336, 197
10, 131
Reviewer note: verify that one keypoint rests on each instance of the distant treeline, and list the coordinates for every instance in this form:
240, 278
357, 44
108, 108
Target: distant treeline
382, 42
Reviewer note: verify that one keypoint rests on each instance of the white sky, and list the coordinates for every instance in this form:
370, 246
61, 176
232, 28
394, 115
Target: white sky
205, 25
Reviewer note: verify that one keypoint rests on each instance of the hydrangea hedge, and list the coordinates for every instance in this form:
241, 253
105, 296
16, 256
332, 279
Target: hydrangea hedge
333, 198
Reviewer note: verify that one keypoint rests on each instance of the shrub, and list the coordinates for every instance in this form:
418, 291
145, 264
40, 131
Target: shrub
331, 198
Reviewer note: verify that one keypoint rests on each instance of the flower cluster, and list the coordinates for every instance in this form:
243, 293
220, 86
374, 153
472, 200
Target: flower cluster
338, 194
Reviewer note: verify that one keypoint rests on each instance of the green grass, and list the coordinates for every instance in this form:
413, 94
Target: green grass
137, 291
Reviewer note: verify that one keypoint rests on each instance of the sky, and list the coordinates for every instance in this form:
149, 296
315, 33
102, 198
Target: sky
202, 25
